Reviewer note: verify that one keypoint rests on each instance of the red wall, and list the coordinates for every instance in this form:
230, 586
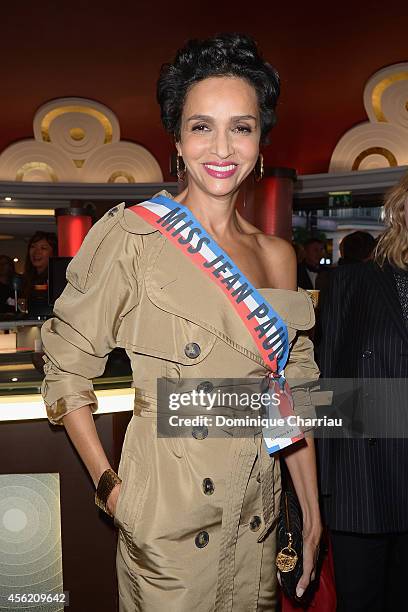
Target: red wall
112, 53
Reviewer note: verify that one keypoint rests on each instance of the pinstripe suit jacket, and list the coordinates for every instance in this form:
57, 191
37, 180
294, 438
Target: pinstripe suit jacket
364, 483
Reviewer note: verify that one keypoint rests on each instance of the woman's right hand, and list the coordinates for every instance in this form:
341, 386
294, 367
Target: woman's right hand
113, 498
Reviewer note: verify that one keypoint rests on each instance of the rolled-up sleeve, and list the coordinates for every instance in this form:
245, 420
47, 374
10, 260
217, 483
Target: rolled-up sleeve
102, 288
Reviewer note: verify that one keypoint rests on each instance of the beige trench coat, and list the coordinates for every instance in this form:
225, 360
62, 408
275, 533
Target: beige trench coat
196, 515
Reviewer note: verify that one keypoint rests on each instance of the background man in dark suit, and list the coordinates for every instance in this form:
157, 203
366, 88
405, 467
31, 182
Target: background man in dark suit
364, 482
309, 269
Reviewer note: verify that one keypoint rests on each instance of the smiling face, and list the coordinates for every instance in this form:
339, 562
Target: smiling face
220, 132
40, 252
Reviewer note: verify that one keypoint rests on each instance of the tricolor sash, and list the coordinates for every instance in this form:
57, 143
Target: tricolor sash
177, 223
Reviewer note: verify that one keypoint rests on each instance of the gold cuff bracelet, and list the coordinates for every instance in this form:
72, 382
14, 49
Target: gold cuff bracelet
106, 484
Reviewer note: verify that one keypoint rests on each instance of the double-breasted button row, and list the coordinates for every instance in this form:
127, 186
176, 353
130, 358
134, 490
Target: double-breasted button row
192, 350
202, 538
208, 486
199, 433
255, 523
205, 386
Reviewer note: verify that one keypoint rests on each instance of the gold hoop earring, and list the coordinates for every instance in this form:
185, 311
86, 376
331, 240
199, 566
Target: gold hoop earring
181, 169
259, 168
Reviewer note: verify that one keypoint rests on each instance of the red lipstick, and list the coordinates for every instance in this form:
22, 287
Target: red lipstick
221, 170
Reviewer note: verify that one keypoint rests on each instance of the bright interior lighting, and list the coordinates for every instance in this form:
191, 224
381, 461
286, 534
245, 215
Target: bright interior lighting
8, 199
28, 212
15, 259
16, 367
31, 407
14, 379
334, 193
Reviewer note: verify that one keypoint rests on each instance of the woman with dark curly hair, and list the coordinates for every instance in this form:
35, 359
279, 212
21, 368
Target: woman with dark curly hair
192, 291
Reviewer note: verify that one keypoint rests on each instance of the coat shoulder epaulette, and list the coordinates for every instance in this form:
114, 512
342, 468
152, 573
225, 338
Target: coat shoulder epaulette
131, 222
116, 220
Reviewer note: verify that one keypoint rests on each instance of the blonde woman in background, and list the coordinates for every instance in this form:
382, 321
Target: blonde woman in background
364, 482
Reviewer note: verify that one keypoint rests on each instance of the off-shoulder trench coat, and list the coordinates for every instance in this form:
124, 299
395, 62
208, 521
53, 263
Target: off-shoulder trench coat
196, 515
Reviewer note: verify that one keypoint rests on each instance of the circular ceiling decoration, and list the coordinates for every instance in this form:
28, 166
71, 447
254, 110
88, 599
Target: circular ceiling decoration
382, 141
77, 140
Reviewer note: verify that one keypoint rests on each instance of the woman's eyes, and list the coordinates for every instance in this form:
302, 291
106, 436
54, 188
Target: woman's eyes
239, 129
243, 129
201, 127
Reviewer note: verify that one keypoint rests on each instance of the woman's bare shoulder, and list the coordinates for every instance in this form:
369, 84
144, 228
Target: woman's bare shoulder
279, 260
271, 246
276, 248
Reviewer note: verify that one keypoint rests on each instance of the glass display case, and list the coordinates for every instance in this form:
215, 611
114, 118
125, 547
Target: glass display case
34, 453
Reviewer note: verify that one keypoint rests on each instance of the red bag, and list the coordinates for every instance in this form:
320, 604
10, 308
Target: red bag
325, 599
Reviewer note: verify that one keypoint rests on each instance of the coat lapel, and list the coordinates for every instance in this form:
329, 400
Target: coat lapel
389, 293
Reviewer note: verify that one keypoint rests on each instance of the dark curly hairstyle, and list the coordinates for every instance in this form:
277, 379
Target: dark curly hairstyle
233, 55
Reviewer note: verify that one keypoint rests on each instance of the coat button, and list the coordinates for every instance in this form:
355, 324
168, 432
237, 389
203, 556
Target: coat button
208, 486
199, 433
112, 212
192, 350
205, 386
255, 523
367, 354
202, 538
